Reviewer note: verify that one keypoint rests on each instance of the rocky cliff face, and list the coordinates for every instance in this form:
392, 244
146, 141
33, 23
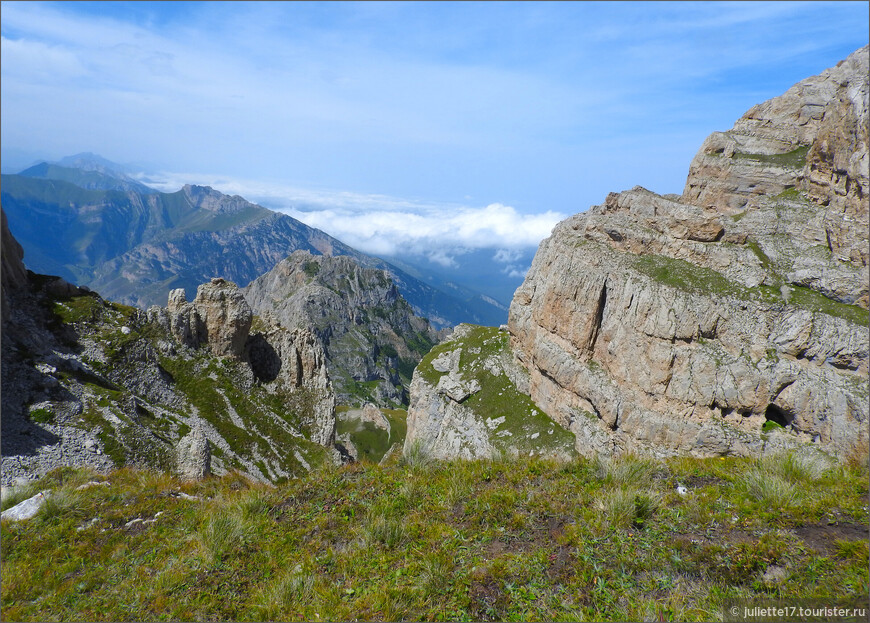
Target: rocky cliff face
731, 320
814, 139
88, 382
14, 275
370, 335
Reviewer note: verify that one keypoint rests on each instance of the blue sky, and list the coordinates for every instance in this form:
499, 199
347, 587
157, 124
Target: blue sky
425, 126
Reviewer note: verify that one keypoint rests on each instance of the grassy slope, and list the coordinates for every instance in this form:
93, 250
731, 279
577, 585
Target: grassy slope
524, 540
518, 425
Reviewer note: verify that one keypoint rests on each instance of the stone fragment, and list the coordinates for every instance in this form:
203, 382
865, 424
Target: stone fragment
194, 455
457, 389
26, 509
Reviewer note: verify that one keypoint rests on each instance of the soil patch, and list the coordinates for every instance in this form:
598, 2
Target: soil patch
697, 482
823, 538
486, 597
561, 568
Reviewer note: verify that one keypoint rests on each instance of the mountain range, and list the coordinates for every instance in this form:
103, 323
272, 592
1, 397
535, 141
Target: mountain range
85, 220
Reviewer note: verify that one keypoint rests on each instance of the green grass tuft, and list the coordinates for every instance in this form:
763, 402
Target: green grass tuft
795, 159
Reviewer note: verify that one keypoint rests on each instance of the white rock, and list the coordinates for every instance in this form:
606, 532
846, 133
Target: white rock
93, 483
446, 361
26, 509
493, 423
125, 330
88, 524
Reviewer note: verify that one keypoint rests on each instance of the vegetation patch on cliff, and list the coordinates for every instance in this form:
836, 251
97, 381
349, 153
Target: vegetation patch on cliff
795, 159
689, 277
515, 423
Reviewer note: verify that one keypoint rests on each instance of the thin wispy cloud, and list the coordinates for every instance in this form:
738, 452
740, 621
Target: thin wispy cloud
540, 106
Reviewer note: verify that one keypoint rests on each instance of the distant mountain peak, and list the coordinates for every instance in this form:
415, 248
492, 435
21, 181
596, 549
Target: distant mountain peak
88, 178
208, 198
88, 161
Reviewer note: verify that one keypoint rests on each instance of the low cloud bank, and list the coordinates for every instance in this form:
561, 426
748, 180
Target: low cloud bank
390, 226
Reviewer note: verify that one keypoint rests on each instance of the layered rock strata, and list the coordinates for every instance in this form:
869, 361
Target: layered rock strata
813, 138
731, 320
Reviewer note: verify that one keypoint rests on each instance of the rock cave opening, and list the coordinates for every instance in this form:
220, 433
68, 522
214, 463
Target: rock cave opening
777, 415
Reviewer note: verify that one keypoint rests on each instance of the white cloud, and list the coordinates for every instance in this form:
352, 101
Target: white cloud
539, 106
516, 271
506, 256
440, 232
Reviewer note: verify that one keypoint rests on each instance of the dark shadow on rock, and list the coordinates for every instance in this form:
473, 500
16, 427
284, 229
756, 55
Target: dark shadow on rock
22, 436
265, 362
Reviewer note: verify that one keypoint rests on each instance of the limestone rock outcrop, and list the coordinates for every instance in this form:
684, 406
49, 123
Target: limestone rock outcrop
288, 361
370, 335
218, 317
465, 403
813, 138
295, 360
731, 320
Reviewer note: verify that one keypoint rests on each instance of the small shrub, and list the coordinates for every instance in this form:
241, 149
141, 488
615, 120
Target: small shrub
798, 467
253, 504
416, 456
436, 572
60, 504
221, 533
645, 505
627, 471
768, 488
285, 594
458, 487
311, 269
383, 530
627, 507
859, 550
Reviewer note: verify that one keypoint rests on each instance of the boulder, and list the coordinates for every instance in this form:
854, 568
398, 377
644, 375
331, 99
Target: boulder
26, 509
193, 455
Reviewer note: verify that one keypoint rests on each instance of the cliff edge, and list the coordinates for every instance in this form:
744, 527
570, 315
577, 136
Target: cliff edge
731, 319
